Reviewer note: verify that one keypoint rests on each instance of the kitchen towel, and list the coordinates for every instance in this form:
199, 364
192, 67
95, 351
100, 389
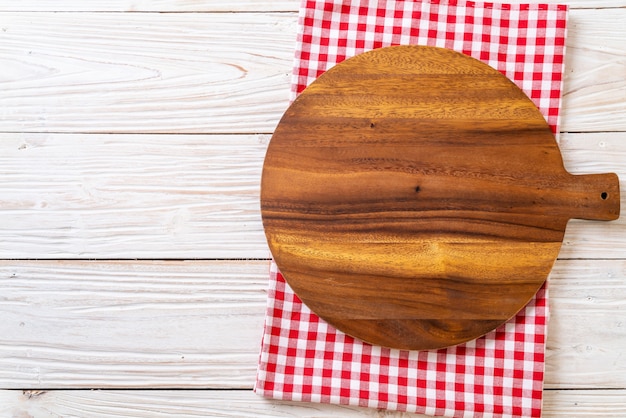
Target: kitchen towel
500, 374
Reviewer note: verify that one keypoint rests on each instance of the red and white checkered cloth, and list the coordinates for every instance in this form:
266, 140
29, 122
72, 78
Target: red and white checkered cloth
500, 374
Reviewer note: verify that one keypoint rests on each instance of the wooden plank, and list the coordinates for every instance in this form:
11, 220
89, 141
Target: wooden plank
97, 324
587, 326
171, 5
131, 196
594, 88
201, 403
145, 72
204, 72
189, 196
164, 403
126, 324
584, 403
216, 5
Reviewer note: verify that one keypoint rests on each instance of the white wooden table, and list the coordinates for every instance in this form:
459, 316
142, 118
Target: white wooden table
132, 256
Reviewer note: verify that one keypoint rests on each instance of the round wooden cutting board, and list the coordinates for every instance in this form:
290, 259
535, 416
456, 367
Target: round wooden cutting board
415, 198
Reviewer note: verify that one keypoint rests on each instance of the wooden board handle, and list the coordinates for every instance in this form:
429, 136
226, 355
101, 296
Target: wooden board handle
594, 196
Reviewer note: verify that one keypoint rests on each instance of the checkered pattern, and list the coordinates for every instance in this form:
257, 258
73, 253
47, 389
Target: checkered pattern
500, 374
305, 359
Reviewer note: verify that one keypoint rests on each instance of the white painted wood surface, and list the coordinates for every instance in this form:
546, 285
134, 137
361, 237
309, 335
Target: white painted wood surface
215, 5
165, 324
202, 404
189, 196
206, 73
131, 144
170, 5
131, 196
145, 72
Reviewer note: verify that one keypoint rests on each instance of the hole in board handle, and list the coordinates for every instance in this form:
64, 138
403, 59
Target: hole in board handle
604, 195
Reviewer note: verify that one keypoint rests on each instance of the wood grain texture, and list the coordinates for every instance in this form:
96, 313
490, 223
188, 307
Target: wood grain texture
146, 72
202, 72
188, 196
415, 198
131, 196
584, 403
131, 325
588, 315
197, 324
88, 81
193, 6
216, 5
595, 45
196, 403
